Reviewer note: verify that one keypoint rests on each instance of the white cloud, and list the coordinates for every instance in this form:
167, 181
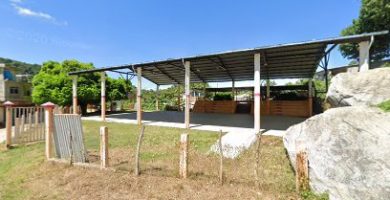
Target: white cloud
23, 11
28, 12
16, 1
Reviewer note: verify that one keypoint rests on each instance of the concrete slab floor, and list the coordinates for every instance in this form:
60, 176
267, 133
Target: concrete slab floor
205, 121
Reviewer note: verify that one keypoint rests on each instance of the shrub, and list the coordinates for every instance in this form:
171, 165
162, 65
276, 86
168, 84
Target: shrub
385, 106
222, 97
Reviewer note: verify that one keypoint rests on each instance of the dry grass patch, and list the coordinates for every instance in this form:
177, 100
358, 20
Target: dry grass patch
159, 169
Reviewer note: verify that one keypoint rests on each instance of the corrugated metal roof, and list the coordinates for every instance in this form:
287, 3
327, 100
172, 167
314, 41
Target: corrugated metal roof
294, 60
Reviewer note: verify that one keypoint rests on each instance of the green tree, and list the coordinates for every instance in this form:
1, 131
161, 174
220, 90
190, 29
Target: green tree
118, 89
53, 83
374, 16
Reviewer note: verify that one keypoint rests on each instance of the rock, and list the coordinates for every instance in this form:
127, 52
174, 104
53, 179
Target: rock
359, 88
348, 151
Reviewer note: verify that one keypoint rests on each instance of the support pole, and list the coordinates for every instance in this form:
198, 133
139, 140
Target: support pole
8, 123
74, 92
204, 91
364, 56
268, 101
157, 97
183, 155
310, 97
139, 97
187, 93
326, 79
49, 127
178, 97
257, 92
103, 96
103, 147
233, 90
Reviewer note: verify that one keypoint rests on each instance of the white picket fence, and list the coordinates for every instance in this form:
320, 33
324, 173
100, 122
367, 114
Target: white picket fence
28, 124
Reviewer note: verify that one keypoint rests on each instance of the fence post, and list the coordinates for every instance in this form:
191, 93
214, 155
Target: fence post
220, 157
103, 147
302, 167
8, 123
183, 155
257, 158
137, 155
49, 124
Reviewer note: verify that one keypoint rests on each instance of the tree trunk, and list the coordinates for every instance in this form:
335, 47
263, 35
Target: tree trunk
111, 105
83, 108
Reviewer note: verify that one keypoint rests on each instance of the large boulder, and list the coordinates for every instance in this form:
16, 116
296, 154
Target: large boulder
348, 151
359, 88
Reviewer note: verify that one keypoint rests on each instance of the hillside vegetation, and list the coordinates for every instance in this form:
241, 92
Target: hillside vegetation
25, 68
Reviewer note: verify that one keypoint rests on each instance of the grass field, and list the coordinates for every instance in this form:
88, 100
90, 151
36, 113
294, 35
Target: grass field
24, 174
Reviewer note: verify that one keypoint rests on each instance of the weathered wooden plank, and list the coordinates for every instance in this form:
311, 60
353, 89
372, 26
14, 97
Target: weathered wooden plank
183, 169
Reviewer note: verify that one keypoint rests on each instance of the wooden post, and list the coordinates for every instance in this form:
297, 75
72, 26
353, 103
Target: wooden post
220, 158
302, 172
140, 137
257, 92
310, 97
302, 167
268, 94
257, 161
36, 129
103, 96
103, 147
187, 92
29, 129
233, 90
74, 93
139, 97
16, 130
8, 123
49, 124
157, 97
70, 147
183, 155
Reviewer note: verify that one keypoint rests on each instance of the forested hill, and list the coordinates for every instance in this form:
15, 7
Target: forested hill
25, 68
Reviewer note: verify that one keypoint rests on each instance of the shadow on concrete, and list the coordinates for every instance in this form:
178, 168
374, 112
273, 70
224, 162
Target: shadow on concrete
215, 119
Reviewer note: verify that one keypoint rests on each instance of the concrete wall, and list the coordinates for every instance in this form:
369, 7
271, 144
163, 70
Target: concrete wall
24, 92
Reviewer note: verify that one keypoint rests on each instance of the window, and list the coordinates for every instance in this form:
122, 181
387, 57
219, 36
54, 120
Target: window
14, 90
27, 93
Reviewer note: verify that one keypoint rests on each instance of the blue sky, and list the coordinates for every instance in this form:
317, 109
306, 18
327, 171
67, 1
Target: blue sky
118, 32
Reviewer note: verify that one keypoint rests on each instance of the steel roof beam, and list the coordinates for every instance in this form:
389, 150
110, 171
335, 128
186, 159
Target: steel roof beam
191, 70
166, 74
222, 65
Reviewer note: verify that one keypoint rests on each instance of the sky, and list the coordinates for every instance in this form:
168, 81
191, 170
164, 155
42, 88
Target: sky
109, 33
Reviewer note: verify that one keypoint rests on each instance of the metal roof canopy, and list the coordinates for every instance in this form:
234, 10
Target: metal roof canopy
294, 60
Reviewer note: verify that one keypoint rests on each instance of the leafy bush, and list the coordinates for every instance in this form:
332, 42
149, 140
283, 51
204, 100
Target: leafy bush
170, 108
223, 97
385, 106
309, 195
291, 95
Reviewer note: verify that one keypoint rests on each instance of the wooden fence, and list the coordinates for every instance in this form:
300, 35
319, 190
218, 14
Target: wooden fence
28, 124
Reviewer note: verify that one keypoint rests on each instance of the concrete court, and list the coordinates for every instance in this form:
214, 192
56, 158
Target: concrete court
240, 123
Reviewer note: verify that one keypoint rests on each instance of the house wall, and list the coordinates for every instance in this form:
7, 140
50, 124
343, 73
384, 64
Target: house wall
21, 98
